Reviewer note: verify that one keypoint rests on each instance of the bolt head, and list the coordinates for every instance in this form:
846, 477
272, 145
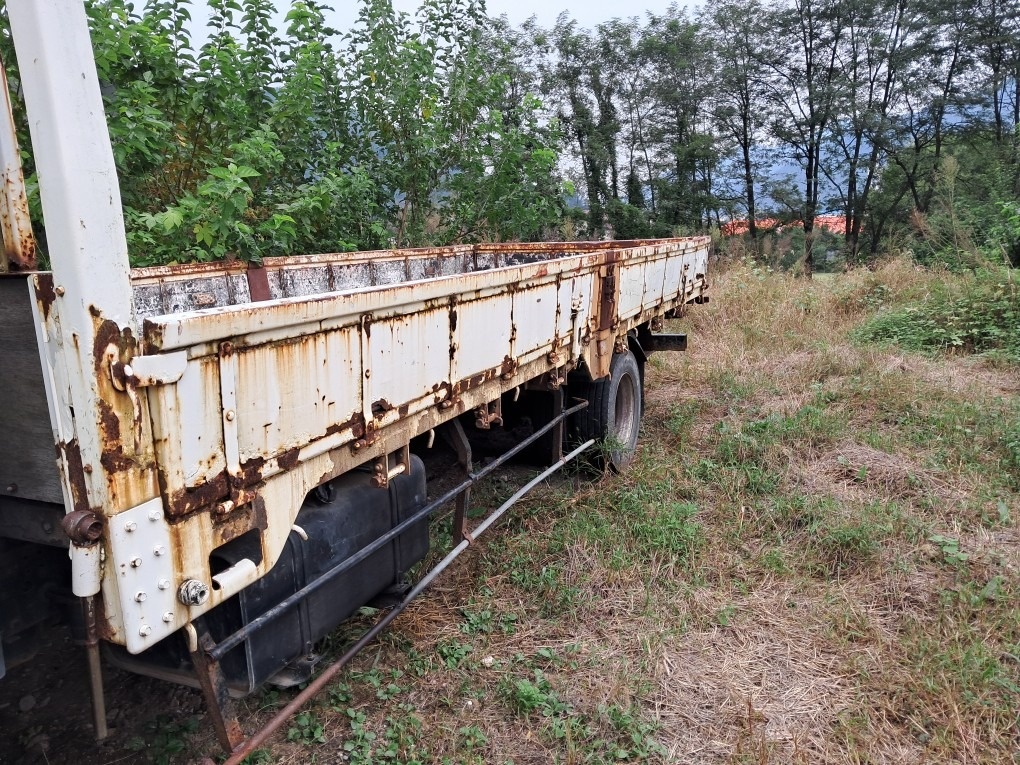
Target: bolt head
136, 562
130, 526
229, 415
168, 617
158, 550
140, 597
155, 515
163, 584
145, 630
193, 593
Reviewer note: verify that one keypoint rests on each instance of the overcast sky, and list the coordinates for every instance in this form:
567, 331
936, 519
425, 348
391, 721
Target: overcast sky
587, 12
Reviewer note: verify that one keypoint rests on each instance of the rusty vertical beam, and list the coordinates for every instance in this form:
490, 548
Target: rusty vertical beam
219, 705
94, 668
454, 434
558, 431
15, 222
92, 293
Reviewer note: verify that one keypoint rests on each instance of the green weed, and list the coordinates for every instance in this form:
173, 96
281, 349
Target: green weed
258, 757
635, 739
454, 654
401, 739
526, 696
306, 728
165, 738
950, 548
471, 738
681, 418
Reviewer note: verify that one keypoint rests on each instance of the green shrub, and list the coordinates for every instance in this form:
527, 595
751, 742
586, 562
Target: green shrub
983, 317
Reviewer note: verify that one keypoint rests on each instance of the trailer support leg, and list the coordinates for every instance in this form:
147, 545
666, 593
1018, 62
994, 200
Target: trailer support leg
95, 668
214, 689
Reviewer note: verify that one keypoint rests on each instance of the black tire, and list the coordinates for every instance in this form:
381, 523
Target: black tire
613, 415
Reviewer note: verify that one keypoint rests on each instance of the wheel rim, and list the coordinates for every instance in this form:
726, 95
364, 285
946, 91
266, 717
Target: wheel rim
625, 416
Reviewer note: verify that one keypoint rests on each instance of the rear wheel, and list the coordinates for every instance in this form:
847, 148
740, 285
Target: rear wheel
613, 415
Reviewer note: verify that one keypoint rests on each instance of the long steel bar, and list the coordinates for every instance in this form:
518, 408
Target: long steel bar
330, 672
255, 625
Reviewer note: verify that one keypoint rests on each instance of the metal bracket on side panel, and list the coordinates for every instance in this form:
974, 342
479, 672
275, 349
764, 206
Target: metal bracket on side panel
228, 402
161, 369
140, 549
488, 415
386, 469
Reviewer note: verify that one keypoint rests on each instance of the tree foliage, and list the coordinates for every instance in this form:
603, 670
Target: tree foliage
244, 140
249, 138
794, 109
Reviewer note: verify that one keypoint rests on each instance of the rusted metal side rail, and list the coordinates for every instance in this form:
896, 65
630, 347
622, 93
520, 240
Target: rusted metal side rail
255, 625
250, 745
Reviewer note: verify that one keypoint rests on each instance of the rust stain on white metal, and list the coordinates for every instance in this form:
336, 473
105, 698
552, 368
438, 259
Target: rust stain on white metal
16, 223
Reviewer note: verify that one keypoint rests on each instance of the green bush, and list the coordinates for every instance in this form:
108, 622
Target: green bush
982, 317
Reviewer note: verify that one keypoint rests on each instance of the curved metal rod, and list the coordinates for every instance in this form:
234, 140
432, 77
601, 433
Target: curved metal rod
314, 687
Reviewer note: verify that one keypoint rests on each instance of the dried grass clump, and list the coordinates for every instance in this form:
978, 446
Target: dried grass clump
892, 476
960, 375
773, 687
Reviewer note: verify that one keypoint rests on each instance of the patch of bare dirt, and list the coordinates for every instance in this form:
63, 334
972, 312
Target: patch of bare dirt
45, 716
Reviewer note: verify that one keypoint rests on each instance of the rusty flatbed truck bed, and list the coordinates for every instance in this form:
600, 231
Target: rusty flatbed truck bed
235, 470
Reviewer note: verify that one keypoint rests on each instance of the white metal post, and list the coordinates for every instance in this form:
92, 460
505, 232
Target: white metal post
92, 299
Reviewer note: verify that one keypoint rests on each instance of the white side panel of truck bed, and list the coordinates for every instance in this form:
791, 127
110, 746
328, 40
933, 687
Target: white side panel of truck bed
256, 385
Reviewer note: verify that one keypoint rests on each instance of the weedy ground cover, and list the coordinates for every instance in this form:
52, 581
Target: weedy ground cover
815, 558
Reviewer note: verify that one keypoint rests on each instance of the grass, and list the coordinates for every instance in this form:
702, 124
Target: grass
813, 559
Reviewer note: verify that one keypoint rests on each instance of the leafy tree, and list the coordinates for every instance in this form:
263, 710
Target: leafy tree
261, 141
806, 89
448, 126
878, 45
740, 93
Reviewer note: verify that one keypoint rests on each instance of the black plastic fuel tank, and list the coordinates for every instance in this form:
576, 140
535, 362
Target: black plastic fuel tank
339, 519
